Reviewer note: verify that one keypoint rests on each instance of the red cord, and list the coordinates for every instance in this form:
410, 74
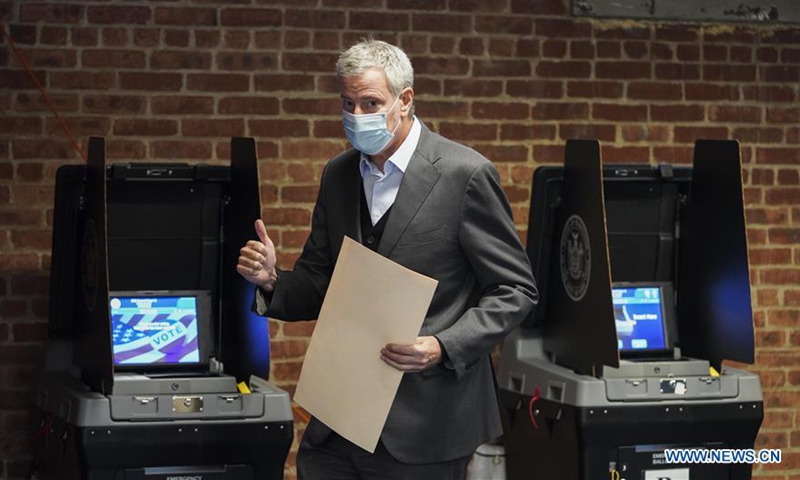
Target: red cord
41, 90
535, 398
47, 425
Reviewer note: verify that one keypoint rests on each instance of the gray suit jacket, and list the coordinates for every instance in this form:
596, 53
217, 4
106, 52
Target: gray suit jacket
451, 221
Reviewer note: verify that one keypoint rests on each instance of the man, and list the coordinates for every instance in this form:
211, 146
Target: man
435, 207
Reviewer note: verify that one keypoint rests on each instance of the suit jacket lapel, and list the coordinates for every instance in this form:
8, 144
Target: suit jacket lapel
418, 181
344, 209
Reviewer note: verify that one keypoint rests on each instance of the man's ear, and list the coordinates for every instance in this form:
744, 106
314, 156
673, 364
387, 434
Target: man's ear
406, 100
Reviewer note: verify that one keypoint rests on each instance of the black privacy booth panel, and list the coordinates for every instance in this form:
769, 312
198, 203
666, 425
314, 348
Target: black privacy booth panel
618, 250
124, 236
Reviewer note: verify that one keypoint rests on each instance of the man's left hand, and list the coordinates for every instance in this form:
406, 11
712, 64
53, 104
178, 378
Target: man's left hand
421, 355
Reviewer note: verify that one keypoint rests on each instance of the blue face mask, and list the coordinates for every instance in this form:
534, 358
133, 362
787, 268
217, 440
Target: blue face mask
369, 132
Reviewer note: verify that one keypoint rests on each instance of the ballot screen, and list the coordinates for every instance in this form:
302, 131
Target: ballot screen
639, 317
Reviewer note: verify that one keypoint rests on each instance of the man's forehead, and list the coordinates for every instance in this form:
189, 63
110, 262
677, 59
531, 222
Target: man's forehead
371, 78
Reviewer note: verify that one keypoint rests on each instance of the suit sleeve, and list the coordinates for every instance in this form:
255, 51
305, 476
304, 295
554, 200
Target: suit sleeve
298, 293
501, 267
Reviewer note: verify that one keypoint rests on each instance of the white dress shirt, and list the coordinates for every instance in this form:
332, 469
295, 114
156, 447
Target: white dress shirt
380, 188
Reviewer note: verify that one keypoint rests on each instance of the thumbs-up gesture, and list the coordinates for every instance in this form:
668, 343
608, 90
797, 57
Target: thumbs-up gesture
257, 260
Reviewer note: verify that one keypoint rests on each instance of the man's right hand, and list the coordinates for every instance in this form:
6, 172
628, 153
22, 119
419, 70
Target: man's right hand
257, 260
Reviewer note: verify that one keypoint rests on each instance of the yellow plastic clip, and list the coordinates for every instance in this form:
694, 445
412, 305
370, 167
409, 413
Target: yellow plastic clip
713, 372
243, 388
614, 475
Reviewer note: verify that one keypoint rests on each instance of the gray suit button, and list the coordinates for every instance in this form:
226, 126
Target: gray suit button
370, 240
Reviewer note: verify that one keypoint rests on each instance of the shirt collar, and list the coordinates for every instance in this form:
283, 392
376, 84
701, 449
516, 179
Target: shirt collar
400, 159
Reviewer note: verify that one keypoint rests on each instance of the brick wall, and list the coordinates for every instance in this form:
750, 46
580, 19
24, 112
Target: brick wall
172, 80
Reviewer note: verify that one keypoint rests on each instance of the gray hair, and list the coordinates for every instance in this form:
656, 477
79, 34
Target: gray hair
370, 53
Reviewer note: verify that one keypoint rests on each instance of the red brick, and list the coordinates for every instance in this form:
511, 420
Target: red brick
500, 111
39, 150
729, 73
710, 92
321, 19
182, 105
50, 14
677, 71
474, 87
554, 48
503, 153
593, 89
758, 135
771, 216
80, 126
673, 155
440, 66
644, 133
371, 20
299, 194
724, 113
180, 60
519, 131
30, 172
311, 149
312, 106
602, 111
119, 15
440, 23
20, 125
560, 111
21, 216
53, 36
783, 115
468, 131
538, 7
681, 33
769, 94
145, 127
296, 39
237, 39
218, 82
581, 49
607, 49
604, 133
443, 45
115, 37
151, 81
566, 69
663, 51
498, 24
548, 154
279, 82
613, 154
780, 156
32, 195
83, 37
127, 59
527, 47
124, 149
783, 73
623, 70
560, 28
146, 37
654, 91
780, 276
635, 50
262, 17
206, 38
18, 262
76, 80
48, 58
279, 128
30, 332
176, 38
534, 89
788, 177
688, 53
501, 68
327, 41
212, 128
176, 149
309, 62
127, 104
248, 105
690, 134
186, 16
677, 113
